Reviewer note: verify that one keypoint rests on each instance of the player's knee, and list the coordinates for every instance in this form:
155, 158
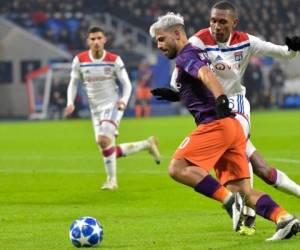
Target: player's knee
177, 169
173, 169
103, 141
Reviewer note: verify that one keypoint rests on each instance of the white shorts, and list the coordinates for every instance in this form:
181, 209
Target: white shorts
106, 120
241, 107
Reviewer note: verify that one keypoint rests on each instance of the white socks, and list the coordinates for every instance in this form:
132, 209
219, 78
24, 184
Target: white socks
133, 147
285, 184
110, 161
249, 211
109, 155
110, 166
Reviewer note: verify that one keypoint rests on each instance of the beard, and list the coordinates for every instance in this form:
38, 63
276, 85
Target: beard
171, 53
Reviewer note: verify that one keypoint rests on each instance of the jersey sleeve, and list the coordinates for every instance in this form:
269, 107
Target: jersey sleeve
197, 42
72, 91
119, 64
191, 62
75, 71
73, 84
263, 48
124, 80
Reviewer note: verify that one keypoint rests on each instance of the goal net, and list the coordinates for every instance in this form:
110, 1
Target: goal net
47, 92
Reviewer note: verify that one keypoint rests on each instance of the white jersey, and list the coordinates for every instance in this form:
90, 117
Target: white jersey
99, 78
231, 59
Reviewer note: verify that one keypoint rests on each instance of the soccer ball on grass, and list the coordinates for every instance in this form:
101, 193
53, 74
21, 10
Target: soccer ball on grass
86, 232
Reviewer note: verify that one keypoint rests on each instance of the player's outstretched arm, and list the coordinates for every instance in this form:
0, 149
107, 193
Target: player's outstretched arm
165, 94
263, 48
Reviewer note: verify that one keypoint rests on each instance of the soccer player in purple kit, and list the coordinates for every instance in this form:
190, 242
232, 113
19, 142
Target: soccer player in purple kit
218, 141
230, 51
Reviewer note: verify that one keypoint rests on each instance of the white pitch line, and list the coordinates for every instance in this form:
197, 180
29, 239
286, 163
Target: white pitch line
161, 169
70, 157
292, 161
98, 157
79, 171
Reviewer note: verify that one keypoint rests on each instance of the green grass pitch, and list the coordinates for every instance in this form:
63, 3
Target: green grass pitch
51, 173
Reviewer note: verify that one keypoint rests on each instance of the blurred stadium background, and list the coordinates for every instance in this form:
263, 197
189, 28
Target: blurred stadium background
36, 35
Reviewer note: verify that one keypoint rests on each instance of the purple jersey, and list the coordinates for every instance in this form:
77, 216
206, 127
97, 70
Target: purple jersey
194, 95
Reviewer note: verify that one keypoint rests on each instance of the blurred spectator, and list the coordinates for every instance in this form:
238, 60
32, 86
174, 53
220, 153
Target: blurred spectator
64, 23
143, 94
125, 42
57, 98
277, 79
253, 81
38, 16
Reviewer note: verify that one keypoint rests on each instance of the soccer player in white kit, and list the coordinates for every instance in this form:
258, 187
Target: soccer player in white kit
98, 70
230, 52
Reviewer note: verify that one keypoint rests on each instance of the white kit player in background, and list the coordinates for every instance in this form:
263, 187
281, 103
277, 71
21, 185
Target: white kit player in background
230, 52
98, 69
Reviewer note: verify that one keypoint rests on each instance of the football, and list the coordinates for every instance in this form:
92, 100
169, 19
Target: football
86, 232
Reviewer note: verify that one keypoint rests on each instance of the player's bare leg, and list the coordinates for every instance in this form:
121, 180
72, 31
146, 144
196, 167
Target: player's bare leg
126, 149
197, 178
287, 224
193, 176
247, 225
150, 144
273, 176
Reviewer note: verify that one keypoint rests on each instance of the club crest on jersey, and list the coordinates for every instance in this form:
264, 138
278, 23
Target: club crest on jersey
238, 56
107, 70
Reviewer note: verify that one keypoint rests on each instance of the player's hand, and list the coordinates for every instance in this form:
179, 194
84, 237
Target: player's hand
222, 107
69, 110
121, 105
293, 43
165, 94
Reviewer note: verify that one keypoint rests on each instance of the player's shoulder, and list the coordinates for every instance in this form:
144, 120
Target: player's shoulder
186, 51
189, 52
205, 36
238, 37
84, 57
110, 57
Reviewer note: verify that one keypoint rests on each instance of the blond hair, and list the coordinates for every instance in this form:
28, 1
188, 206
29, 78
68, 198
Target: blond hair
166, 21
